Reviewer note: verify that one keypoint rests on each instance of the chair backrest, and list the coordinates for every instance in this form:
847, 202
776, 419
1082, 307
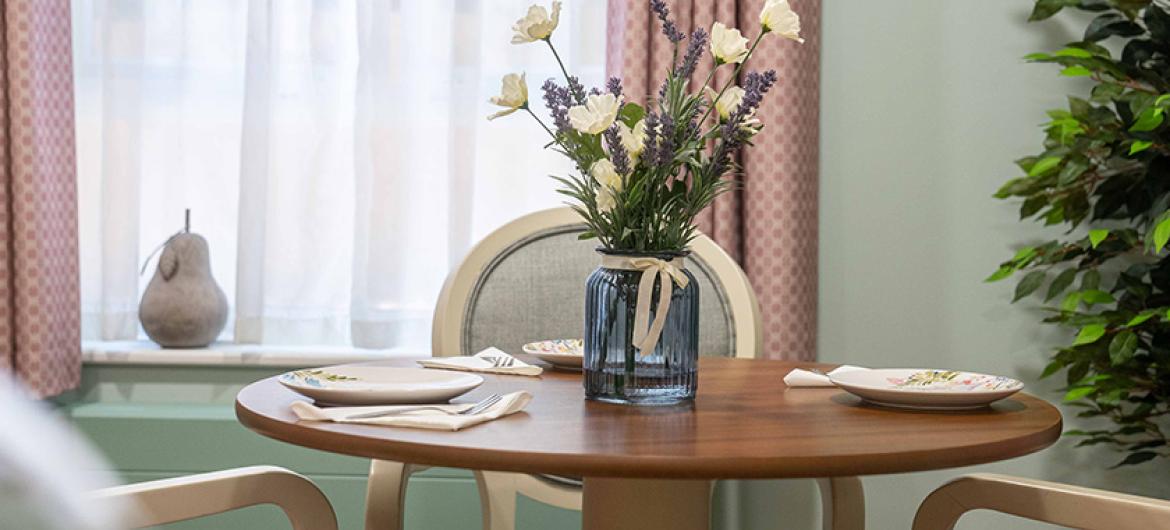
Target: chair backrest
1060, 504
526, 282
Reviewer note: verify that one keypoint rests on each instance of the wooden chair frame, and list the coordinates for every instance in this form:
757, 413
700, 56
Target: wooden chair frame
1060, 504
179, 499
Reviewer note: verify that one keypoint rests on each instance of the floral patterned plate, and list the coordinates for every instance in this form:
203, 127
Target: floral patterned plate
378, 385
917, 388
561, 353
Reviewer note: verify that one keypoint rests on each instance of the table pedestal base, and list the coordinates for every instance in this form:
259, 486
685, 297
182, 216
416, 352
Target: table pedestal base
641, 504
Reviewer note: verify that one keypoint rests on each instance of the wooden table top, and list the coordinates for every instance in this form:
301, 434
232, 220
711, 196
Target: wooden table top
745, 423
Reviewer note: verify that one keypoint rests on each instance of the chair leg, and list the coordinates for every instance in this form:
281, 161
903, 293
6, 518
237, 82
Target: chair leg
497, 499
842, 503
386, 495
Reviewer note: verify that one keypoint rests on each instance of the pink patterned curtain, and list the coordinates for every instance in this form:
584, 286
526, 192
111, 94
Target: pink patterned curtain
770, 224
40, 337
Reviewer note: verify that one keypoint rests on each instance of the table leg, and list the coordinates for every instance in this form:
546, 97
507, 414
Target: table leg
386, 494
842, 503
637, 504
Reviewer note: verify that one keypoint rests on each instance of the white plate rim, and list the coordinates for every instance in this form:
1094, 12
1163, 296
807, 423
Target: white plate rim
570, 361
843, 381
450, 383
530, 348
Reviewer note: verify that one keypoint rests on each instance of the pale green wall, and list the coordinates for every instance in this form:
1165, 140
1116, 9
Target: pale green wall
925, 103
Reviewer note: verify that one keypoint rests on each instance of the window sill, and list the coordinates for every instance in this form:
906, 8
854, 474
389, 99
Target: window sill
228, 354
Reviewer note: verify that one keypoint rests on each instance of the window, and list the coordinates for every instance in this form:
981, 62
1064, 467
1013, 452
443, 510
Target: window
335, 154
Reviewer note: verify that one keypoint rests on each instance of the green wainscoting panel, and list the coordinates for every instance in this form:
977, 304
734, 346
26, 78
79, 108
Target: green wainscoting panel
193, 438
155, 422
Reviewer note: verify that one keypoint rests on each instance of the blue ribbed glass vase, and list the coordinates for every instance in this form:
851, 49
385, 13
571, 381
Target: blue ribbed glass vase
615, 371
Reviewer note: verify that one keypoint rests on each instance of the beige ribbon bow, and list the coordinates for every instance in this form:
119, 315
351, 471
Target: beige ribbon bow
646, 334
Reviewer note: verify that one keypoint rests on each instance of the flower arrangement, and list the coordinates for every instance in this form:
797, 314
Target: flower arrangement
643, 174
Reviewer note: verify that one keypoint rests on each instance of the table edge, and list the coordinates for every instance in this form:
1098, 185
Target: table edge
626, 466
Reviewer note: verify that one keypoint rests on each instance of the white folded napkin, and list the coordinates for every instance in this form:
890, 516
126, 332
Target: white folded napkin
804, 378
476, 363
421, 419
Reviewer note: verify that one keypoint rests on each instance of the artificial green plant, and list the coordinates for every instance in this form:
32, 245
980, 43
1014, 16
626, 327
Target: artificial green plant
1103, 176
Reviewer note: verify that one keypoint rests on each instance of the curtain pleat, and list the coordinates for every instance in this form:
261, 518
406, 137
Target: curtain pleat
39, 317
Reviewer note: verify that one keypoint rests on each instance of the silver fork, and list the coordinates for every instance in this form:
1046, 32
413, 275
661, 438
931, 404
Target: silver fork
500, 362
477, 408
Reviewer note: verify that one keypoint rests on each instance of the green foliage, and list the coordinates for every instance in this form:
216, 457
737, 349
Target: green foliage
1105, 163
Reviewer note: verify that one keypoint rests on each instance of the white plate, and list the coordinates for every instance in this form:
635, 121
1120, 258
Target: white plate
561, 353
918, 388
378, 385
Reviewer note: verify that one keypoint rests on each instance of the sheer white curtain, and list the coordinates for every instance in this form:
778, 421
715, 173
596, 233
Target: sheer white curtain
335, 154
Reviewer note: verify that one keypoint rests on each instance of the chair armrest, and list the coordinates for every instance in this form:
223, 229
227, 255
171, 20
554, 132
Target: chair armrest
1059, 504
178, 499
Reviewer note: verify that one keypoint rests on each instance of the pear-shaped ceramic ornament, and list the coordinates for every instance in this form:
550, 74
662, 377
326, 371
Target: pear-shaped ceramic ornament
183, 307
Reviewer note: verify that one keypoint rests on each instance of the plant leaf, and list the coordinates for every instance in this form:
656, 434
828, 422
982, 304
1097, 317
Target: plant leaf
1097, 236
1029, 284
1161, 234
1023, 255
1060, 283
1044, 165
1140, 318
1052, 368
1089, 334
1122, 347
1136, 458
1046, 8
631, 114
1139, 145
1110, 24
1148, 120
1073, 52
1074, 168
1078, 393
1003, 272
1076, 71
1094, 296
1090, 280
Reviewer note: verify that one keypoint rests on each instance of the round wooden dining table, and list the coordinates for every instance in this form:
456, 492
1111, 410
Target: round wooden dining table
653, 465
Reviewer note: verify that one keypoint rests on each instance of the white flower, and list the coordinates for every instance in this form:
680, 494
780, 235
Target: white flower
778, 16
513, 95
596, 115
633, 140
605, 199
751, 124
604, 172
537, 24
727, 44
728, 102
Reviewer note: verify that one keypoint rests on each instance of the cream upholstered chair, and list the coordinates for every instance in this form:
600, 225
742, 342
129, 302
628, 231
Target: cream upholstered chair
525, 282
1049, 502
